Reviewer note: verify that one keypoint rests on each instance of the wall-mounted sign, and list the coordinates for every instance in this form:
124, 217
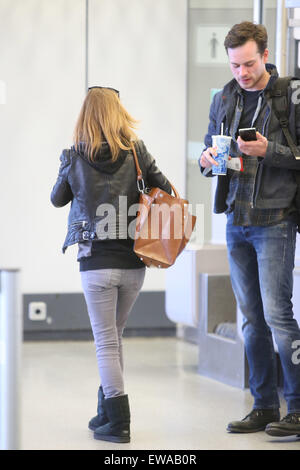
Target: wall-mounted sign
292, 3
210, 48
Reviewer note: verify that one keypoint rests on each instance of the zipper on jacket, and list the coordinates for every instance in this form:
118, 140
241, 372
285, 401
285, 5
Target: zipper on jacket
259, 163
254, 185
83, 223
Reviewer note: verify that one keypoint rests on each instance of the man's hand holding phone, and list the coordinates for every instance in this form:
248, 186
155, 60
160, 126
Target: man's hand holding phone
252, 143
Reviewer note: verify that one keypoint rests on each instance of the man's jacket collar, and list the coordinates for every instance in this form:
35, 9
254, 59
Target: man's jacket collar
233, 87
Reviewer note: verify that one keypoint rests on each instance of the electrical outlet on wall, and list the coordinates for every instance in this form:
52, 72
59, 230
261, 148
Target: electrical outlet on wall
37, 311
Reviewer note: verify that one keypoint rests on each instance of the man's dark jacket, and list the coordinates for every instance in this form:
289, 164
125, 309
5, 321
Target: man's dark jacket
275, 184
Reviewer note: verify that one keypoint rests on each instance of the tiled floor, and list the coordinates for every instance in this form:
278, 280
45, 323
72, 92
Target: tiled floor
172, 407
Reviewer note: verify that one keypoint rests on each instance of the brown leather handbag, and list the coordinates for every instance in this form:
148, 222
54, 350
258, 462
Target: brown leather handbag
163, 226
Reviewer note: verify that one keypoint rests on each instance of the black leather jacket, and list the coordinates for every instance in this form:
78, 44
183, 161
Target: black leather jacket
95, 188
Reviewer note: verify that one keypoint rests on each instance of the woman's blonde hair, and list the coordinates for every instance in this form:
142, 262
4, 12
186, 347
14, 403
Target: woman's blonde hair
104, 119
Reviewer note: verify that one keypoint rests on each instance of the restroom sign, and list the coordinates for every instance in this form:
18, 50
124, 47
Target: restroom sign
210, 45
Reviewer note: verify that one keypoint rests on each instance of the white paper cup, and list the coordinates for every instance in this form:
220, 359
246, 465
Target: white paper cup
222, 142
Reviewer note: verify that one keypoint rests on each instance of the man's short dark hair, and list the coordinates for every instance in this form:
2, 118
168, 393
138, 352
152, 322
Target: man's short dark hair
244, 32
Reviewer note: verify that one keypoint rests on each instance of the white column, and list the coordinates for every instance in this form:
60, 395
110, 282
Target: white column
257, 11
281, 38
10, 356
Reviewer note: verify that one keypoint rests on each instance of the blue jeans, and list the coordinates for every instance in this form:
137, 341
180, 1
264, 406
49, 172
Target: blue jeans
261, 263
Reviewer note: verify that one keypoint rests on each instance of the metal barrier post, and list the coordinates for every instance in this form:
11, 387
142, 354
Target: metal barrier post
10, 356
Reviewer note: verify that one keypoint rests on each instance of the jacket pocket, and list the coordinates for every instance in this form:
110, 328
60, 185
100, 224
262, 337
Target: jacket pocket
276, 189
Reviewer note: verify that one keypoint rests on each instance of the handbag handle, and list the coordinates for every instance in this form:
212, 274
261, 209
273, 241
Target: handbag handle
140, 181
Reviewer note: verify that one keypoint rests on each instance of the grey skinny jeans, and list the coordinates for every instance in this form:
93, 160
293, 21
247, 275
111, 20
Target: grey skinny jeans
110, 295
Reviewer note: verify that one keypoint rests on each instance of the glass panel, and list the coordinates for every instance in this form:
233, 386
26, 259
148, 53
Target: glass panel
208, 71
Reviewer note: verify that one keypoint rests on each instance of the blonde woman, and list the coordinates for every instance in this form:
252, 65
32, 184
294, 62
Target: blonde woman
98, 176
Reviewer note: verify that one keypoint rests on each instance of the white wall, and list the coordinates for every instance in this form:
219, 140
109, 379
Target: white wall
138, 46
42, 63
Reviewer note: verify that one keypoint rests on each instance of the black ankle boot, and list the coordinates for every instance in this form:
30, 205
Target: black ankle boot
101, 417
118, 427
255, 421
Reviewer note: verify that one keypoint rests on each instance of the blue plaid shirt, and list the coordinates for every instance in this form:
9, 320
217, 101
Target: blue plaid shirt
240, 197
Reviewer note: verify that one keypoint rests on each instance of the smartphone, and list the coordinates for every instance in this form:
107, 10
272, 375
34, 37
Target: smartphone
248, 134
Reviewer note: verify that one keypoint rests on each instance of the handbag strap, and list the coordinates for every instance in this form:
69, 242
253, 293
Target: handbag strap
140, 180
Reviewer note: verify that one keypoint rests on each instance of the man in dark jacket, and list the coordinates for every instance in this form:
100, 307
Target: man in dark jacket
261, 225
